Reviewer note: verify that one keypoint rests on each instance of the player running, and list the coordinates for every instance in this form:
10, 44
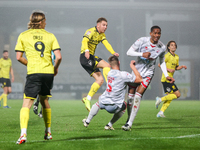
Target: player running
112, 100
172, 63
92, 63
147, 50
37, 43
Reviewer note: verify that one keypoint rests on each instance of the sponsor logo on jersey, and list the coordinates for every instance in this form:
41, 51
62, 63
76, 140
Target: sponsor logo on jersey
88, 33
152, 46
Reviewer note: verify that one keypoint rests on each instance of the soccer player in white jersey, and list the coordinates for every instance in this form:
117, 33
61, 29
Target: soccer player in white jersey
147, 50
112, 100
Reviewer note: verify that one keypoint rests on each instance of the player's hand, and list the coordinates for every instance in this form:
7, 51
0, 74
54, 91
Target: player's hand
12, 80
184, 66
55, 71
87, 54
132, 62
170, 70
116, 54
146, 55
170, 79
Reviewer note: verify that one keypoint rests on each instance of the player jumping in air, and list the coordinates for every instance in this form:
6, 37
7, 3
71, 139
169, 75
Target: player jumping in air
92, 63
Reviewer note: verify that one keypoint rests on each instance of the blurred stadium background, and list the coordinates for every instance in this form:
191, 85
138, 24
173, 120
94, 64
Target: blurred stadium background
128, 20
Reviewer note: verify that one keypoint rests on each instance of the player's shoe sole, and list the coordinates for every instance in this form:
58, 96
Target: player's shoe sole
87, 103
22, 139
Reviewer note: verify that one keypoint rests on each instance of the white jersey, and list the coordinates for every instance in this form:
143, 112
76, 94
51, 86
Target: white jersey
146, 67
116, 87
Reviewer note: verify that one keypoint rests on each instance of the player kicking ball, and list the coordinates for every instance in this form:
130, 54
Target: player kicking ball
112, 100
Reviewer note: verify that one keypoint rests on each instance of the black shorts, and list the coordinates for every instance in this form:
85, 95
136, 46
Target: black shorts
38, 84
90, 65
169, 87
5, 82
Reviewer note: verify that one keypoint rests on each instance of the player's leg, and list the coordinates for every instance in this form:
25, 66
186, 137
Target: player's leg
90, 65
31, 90
172, 93
44, 94
105, 66
131, 95
138, 96
24, 118
46, 116
93, 89
117, 115
36, 104
94, 110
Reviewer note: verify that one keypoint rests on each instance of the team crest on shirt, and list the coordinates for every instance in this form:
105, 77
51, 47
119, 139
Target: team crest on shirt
168, 89
90, 62
88, 33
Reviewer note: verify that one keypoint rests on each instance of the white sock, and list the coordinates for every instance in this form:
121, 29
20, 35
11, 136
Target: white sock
23, 131
130, 104
135, 108
48, 130
89, 98
94, 110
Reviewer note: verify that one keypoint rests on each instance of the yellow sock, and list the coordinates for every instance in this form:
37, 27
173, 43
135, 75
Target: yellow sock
4, 99
24, 117
105, 72
169, 97
94, 88
46, 112
1, 96
165, 105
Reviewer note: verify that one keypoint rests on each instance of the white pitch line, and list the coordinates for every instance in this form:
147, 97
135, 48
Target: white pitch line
101, 139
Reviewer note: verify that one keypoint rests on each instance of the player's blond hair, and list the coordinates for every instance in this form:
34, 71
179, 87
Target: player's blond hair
35, 20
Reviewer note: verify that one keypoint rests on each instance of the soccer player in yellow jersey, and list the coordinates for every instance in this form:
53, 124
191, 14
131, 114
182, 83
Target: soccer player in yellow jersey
172, 64
37, 44
6, 70
92, 63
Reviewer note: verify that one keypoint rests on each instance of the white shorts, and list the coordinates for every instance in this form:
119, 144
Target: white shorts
145, 83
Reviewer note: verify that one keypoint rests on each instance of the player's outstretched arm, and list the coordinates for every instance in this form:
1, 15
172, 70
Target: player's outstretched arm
20, 58
109, 48
138, 78
181, 67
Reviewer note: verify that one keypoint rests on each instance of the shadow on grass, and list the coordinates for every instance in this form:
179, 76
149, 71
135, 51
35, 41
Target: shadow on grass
77, 138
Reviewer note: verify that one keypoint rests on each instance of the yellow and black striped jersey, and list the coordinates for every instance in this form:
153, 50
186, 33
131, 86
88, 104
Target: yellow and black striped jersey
37, 45
94, 38
172, 61
5, 65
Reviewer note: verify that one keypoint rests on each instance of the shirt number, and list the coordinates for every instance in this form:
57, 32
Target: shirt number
39, 46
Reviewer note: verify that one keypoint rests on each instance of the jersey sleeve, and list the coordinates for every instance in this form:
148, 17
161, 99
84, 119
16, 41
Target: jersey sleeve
127, 77
134, 49
88, 34
55, 44
108, 46
19, 45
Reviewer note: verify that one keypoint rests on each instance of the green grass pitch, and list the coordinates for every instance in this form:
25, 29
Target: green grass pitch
180, 130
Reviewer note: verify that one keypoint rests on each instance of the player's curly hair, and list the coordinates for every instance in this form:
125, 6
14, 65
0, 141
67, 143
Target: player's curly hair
168, 44
35, 19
